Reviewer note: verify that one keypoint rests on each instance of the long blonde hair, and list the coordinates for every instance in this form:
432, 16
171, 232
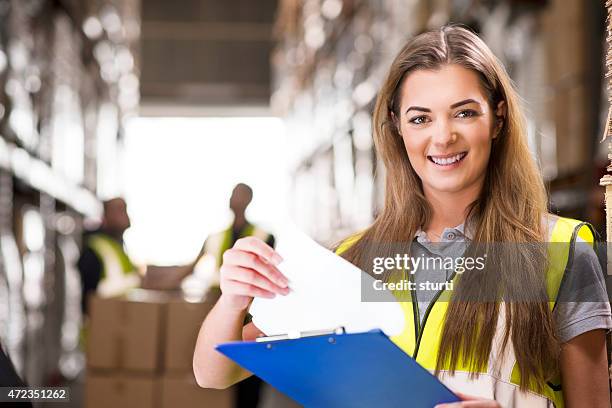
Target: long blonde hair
510, 208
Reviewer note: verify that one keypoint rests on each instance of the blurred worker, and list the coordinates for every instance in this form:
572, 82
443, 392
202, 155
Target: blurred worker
248, 391
216, 244
105, 267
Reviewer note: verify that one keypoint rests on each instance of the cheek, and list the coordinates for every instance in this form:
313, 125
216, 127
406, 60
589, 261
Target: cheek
480, 142
415, 145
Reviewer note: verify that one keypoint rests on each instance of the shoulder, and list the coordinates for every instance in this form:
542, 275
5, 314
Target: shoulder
90, 234
219, 233
582, 303
216, 237
584, 277
563, 229
344, 244
261, 233
571, 243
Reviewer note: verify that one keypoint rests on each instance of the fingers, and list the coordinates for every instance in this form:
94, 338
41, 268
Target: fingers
244, 289
249, 269
260, 248
237, 257
480, 404
469, 401
254, 278
472, 401
465, 397
471, 404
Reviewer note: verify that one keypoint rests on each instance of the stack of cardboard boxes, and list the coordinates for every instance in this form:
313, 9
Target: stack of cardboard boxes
140, 350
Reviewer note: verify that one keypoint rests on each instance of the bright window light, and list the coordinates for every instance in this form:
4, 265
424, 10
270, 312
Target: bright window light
179, 174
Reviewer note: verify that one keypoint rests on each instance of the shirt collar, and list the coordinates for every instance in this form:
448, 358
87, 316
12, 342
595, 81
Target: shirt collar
458, 233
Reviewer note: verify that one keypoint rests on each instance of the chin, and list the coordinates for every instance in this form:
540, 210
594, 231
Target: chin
447, 187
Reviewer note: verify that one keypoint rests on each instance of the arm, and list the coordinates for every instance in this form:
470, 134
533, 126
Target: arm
248, 270
584, 371
90, 269
582, 314
211, 368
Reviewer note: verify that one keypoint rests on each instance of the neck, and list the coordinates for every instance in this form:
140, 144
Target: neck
118, 235
239, 221
449, 209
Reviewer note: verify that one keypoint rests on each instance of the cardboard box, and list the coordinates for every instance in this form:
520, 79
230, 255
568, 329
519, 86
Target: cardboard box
165, 277
183, 321
103, 339
121, 391
126, 333
183, 391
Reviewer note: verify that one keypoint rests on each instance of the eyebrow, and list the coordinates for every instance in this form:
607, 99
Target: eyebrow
453, 106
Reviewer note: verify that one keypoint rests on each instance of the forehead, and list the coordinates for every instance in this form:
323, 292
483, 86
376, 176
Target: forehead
441, 87
240, 191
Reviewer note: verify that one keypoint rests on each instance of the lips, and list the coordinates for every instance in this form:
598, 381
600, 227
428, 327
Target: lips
447, 160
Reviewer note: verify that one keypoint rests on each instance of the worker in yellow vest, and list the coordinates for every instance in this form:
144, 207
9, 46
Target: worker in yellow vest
216, 244
526, 330
247, 392
104, 265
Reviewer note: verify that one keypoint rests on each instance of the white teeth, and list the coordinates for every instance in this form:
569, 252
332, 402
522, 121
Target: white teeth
448, 160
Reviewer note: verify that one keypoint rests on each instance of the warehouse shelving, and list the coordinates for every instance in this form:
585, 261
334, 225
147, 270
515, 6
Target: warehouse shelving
331, 59
63, 90
39, 176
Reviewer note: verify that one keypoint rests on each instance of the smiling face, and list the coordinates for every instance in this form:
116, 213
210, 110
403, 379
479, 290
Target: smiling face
447, 126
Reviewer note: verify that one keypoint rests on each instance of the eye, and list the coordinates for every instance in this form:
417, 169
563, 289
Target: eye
467, 113
418, 120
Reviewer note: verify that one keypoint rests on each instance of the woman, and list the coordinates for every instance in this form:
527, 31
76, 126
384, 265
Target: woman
449, 129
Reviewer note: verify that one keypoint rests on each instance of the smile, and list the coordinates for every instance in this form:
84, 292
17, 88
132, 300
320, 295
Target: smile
447, 160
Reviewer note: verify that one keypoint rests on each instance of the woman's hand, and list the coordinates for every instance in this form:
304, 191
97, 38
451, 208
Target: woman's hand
468, 401
248, 271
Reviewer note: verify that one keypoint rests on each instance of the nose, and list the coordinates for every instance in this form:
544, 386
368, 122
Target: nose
443, 135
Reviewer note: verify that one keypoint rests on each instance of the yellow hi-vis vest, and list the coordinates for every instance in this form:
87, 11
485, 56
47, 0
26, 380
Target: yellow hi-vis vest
118, 273
500, 381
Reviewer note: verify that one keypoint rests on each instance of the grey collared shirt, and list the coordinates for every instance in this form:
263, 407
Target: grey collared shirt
452, 244
571, 318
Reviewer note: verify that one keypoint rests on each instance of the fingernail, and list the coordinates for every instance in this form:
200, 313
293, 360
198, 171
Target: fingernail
285, 291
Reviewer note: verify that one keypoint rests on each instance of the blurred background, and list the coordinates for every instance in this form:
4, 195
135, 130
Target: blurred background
170, 104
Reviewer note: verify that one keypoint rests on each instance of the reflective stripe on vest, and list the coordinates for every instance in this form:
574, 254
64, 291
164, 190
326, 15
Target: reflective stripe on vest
501, 379
118, 272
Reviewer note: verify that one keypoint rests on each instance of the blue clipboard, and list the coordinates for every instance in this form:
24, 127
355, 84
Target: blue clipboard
341, 370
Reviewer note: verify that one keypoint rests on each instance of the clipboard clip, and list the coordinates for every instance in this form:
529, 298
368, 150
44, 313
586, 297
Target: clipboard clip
298, 335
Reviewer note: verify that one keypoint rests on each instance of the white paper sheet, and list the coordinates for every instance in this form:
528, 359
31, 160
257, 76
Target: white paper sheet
326, 294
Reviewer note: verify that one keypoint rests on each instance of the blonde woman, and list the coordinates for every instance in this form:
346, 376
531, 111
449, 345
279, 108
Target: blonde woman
450, 131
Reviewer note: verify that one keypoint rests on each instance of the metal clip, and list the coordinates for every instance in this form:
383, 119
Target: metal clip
299, 335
